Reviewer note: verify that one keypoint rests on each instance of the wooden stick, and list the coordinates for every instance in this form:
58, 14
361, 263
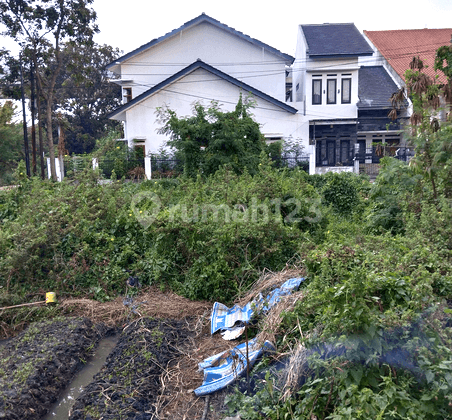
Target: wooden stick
23, 304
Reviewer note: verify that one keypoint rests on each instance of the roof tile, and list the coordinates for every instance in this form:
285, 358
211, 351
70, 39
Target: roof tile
399, 47
341, 39
375, 87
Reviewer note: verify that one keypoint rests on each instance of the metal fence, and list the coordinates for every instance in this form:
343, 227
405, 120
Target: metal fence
369, 159
166, 167
292, 162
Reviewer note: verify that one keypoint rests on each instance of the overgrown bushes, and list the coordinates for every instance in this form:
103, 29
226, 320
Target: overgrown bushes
375, 325
208, 238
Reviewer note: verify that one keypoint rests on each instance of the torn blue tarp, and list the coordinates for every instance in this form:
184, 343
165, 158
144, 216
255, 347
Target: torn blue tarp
224, 368
231, 320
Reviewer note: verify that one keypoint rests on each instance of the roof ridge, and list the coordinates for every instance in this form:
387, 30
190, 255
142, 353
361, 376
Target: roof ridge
197, 19
192, 67
407, 30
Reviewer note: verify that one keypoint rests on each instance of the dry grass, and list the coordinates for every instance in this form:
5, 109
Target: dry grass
181, 377
151, 301
268, 281
295, 370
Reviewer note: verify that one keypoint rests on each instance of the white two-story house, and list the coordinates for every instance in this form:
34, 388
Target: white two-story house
203, 61
344, 96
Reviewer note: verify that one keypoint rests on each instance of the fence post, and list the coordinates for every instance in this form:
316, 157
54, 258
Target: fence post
60, 167
48, 168
95, 163
356, 159
148, 167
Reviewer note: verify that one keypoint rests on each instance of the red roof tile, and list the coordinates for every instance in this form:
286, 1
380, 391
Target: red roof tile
400, 46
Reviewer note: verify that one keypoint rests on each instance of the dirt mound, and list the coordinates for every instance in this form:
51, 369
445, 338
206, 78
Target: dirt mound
153, 370
37, 364
129, 384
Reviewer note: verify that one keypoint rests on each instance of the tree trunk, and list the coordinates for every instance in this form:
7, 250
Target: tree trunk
50, 136
33, 115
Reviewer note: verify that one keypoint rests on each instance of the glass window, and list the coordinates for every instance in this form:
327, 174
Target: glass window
316, 92
346, 91
331, 91
127, 95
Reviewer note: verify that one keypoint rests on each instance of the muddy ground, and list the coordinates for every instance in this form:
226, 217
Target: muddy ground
150, 374
39, 363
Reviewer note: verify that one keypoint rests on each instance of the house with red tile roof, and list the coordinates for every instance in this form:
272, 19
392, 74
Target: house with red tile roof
396, 48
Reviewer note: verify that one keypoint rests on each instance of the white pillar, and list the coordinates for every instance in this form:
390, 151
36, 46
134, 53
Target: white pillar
58, 171
95, 163
312, 160
147, 167
356, 159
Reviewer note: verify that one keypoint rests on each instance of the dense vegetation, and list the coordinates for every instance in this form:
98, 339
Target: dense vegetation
375, 321
371, 339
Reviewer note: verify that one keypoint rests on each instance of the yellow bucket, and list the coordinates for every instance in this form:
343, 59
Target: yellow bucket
50, 297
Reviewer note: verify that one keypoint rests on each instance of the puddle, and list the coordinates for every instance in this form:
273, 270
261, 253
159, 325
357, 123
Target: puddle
60, 410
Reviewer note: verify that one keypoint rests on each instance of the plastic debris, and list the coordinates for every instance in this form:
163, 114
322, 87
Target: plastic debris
231, 321
224, 368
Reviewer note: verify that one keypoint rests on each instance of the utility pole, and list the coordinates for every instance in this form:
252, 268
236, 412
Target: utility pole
27, 156
33, 113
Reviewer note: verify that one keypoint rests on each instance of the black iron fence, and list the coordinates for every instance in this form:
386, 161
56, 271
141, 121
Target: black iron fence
369, 159
291, 162
162, 167
128, 168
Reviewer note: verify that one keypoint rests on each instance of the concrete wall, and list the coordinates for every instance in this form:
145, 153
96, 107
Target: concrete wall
249, 63
180, 96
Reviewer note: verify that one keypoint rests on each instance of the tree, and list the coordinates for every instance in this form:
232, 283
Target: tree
212, 138
85, 95
431, 137
11, 140
41, 27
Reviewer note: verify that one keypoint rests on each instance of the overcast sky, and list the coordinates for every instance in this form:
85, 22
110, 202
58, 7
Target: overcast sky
128, 24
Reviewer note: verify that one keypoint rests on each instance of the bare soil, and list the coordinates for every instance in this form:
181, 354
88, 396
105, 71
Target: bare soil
151, 373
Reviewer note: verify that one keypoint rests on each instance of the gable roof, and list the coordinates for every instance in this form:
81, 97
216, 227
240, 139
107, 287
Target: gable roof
399, 47
201, 65
200, 19
337, 39
375, 87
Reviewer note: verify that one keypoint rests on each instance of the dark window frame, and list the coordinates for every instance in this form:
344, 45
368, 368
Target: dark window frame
343, 99
319, 101
127, 94
329, 90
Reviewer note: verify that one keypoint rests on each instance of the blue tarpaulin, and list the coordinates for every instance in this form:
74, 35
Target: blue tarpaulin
224, 368
224, 318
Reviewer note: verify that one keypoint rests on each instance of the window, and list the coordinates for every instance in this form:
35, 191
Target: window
316, 92
127, 95
346, 95
288, 92
345, 152
331, 91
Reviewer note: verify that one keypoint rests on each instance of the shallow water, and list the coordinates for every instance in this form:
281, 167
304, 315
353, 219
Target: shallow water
60, 410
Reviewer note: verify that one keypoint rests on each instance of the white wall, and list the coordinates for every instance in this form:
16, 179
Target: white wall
332, 111
180, 96
235, 56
